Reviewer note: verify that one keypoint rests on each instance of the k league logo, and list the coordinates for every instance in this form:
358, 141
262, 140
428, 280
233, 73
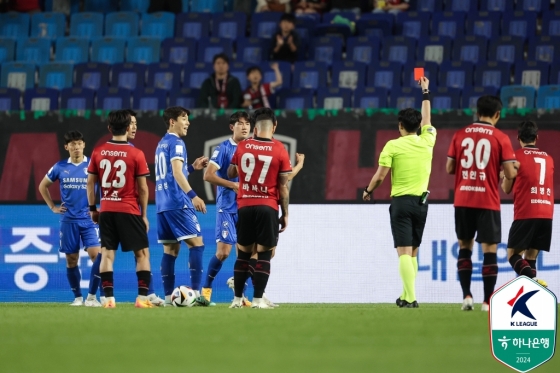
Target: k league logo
519, 304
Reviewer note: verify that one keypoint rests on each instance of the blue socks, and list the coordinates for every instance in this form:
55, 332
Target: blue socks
195, 266
168, 273
213, 268
74, 278
94, 277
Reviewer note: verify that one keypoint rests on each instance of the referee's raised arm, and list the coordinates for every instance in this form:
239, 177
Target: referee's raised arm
426, 106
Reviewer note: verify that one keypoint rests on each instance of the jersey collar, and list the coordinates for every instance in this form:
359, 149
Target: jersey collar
483, 123
262, 139
172, 134
231, 141
70, 160
530, 146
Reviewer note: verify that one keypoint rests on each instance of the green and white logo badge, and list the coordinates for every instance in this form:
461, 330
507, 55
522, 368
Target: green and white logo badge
523, 316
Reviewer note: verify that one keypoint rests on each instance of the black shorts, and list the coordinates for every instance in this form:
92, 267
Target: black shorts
257, 224
487, 224
528, 234
408, 219
121, 228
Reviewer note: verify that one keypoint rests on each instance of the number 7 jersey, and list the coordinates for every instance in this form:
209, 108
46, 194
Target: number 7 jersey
479, 150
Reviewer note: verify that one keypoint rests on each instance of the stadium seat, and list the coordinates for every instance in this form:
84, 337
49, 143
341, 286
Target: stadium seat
91, 75
196, 73
193, 25
229, 25
108, 50
544, 48
252, 50
102, 6
496, 5
363, 49
461, 6
18, 75
341, 31
33, 50
518, 97
264, 25
531, 73
520, 24
348, 74
431, 70
239, 70
143, 50
270, 76
445, 98
326, 49
9, 99
56, 75
548, 97
551, 23
112, 98
7, 50
139, 6
506, 49
384, 74
334, 98
305, 28
72, 49
178, 50
492, 74
554, 77
430, 6
40, 99
406, 97
537, 6
434, 49
485, 24
159, 25
77, 98
121, 24
129, 75
456, 74
472, 49
185, 97
296, 98
370, 98
448, 24
310, 75
14, 25
164, 75
413, 24
86, 25
149, 99
209, 47
375, 24
398, 49
48, 25
211, 6
471, 94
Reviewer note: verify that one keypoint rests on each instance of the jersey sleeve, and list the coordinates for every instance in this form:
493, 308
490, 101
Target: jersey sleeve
177, 150
92, 167
217, 158
285, 164
235, 157
386, 156
141, 165
507, 154
452, 152
53, 173
428, 133
268, 89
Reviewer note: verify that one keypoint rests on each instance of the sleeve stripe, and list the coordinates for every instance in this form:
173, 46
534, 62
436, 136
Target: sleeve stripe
92, 173
509, 160
215, 164
286, 172
48, 178
180, 158
143, 175
450, 157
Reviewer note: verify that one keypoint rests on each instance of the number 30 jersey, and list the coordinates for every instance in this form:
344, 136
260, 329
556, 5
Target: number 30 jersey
117, 165
479, 150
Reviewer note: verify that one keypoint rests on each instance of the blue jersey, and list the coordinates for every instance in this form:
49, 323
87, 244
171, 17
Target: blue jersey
221, 158
169, 195
73, 188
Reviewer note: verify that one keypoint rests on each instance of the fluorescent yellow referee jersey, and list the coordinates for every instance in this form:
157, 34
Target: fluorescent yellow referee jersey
410, 160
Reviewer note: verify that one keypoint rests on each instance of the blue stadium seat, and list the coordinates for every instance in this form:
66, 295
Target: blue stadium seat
209, 47
448, 24
229, 25
554, 77
143, 50
431, 6
334, 98
86, 25
456, 74
102, 6
193, 25
128, 75
14, 25
520, 24
531, 73
370, 98
270, 76
506, 49
431, 70
211, 6
264, 25
363, 49
328, 17
239, 70
112, 98
20, 75
164, 75
56, 75
196, 73
149, 99
140, 6
485, 24
77, 98
305, 28
496, 5
341, 31
444, 98
406, 97
9, 99
537, 6
551, 23
326, 49
461, 6
91, 75
48, 25
413, 24
178, 50
548, 97
375, 24
472, 49
252, 50
185, 97
7, 50
159, 25
518, 96
121, 24
492, 74
296, 98
310, 74
33, 50
72, 49
545, 49
108, 50
471, 95
348, 74
384, 74
434, 49
398, 49
40, 99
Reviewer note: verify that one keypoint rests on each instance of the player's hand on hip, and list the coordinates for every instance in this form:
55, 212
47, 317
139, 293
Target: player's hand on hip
200, 163
283, 223
424, 82
59, 210
94, 216
145, 218
199, 204
235, 187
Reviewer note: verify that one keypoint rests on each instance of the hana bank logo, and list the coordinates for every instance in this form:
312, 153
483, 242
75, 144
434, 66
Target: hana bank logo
519, 306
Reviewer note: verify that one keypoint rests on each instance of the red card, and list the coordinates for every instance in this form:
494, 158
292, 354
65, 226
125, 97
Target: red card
418, 73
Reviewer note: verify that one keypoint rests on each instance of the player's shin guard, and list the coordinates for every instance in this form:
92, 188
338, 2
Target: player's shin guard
240, 272
464, 268
168, 273
489, 274
213, 269
406, 270
144, 278
74, 278
252, 265
520, 266
262, 273
195, 266
107, 283
94, 278
533, 264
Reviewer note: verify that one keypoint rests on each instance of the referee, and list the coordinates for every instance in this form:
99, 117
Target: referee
410, 160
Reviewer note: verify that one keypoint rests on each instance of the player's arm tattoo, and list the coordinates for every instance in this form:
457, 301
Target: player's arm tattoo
284, 192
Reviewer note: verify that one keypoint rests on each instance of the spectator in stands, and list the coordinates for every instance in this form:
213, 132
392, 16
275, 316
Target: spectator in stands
311, 6
174, 6
220, 89
273, 6
346, 6
24, 6
390, 6
257, 94
286, 41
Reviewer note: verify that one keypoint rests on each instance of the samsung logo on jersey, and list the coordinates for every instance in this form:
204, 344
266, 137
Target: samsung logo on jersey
74, 180
486, 131
113, 153
534, 152
258, 147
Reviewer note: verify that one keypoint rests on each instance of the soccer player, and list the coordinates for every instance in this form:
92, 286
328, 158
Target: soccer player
257, 94
121, 170
533, 203
75, 223
176, 203
410, 160
263, 166
475, 156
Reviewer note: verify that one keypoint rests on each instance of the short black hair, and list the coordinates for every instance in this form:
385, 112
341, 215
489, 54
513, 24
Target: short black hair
288, 17
410, 119
488, 106
131, 112
73, 136
223, 56
119, 120
253, 68
174, 112
527, 131
263, 111
234, 118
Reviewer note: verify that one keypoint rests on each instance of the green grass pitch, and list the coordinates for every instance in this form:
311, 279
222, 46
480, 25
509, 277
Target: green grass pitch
307, 338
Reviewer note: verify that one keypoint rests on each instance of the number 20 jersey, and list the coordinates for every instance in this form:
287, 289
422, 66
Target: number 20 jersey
479, 150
